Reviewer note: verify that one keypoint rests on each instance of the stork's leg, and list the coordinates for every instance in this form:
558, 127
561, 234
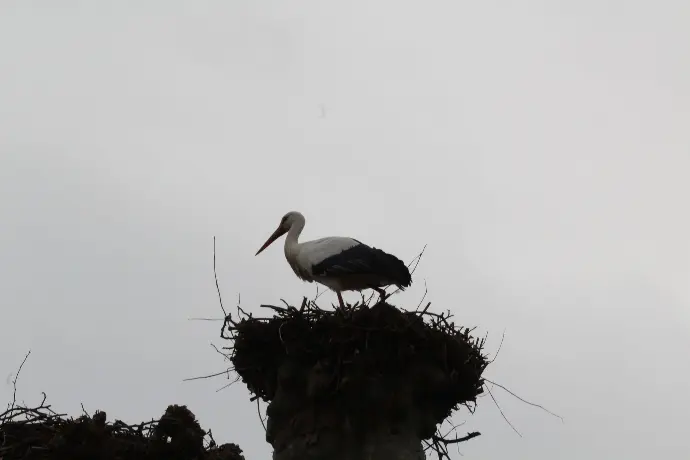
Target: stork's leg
382, 294
340, 299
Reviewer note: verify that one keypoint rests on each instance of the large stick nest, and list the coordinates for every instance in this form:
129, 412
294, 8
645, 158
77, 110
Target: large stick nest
40, 433
358, 342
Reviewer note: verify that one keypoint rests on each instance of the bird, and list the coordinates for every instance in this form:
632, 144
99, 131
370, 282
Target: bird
339, 263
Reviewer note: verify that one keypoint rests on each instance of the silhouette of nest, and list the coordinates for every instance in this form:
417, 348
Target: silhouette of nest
40, 433
359, 343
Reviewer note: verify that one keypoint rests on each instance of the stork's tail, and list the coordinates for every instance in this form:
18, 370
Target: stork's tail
396, 270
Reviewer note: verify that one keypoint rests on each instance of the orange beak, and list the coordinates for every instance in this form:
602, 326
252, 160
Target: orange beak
277, 234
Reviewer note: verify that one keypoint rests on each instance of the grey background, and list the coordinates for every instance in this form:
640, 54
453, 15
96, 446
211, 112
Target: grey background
539, 148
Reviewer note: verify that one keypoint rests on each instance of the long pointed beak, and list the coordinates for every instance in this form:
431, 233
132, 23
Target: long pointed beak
277, 234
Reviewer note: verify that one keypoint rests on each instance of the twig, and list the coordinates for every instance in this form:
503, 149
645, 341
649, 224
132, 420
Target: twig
16, 378
371, 296
226, 371
235, 380
215, 276
274, 308
525, 401
318, 294
212, 442
240, 310
453, 427
224, 355
417, 258
499, 347
258, 411
456, 440
426, 291
287, 305
501, 411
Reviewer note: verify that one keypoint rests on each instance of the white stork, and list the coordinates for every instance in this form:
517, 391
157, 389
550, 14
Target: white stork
339, 263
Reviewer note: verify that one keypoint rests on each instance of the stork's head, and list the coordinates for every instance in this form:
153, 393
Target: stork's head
286, 223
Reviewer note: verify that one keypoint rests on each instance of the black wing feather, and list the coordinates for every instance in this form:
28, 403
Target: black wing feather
364, 260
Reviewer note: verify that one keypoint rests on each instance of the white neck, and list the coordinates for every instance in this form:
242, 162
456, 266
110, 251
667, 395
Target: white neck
291, 244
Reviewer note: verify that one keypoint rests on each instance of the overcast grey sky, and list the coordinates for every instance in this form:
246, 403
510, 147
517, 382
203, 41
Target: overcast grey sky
540, 148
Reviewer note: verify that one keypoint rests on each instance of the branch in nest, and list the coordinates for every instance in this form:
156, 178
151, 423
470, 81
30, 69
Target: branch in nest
456, 440
439, 444
539, 406
12, 405
215, 275
216, 374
